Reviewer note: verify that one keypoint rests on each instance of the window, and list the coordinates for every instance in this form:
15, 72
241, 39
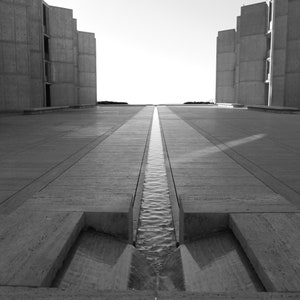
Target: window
46, 47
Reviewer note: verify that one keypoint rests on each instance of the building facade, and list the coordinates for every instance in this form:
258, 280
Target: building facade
258, 63
44, 60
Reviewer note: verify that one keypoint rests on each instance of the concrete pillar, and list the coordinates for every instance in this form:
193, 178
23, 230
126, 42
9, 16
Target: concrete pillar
226, 59
87, 80
279, 55
61, 31
253, 52
292, 76
237, 64
35, 37
14, 56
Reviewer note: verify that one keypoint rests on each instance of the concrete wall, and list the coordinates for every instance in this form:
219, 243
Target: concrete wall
253, 48
279, 57
22, 81
226, 61
62, 53
292, 76
36, 53
14, 56
87, 91
237, 64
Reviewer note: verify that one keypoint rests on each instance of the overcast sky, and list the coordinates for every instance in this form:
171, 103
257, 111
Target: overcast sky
155, 51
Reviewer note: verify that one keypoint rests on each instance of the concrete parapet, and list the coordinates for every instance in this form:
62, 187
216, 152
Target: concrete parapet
201, 216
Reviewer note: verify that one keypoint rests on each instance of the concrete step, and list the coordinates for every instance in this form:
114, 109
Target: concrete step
58, 294
217, 264
33, 246
100, 262
274, 109
272, 244
202, 215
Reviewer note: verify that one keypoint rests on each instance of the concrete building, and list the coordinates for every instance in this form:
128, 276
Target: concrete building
44, 60
258, 63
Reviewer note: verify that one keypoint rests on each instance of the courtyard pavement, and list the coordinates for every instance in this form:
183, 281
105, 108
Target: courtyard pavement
230, 169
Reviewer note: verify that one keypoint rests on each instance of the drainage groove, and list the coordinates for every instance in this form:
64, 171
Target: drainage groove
155, 233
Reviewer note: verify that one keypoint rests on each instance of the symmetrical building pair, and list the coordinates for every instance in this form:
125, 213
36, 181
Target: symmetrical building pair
258, 63
44, 60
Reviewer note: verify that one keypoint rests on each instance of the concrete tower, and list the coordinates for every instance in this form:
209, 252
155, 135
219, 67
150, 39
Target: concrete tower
267, 56
44, 60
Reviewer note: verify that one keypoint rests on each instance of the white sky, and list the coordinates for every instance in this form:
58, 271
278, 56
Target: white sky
155, 51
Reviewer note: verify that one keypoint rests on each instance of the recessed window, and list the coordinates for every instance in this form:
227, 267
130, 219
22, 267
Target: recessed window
46, 47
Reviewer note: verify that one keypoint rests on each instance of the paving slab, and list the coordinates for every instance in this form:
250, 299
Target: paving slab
40, 147
93, 188
267, 145
272, 244
208, 186
114, 174
211, 195
33, 246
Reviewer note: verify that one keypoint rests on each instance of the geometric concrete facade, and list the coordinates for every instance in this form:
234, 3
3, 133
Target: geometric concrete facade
253, 48
292, 68
267, 56
226, 61
40, 53
87, 76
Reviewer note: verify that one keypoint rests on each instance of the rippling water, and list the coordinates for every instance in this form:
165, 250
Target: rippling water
155, 235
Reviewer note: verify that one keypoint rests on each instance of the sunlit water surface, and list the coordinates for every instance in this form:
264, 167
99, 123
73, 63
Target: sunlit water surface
155, 234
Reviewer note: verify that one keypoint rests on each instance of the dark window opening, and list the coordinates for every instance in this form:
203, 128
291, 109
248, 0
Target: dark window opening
46, 47
48, 95
267, 93
47, 72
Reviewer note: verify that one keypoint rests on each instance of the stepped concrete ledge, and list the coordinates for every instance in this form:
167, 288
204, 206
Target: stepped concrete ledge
228, 245
234, 105
51, 294
41, 110
40, 238
274, 109
70, 187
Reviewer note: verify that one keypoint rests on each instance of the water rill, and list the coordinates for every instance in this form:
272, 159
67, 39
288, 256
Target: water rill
155, 233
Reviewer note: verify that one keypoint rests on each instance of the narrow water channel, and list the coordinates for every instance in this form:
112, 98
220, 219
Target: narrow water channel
155, 233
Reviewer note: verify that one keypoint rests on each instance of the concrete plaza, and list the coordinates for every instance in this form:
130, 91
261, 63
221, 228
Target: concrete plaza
231, 170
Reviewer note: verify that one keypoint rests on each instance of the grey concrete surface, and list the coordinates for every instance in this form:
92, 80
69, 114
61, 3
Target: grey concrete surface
33, 76
224, 164
93, 189
36, 149
267, 64
265, 145
235, 172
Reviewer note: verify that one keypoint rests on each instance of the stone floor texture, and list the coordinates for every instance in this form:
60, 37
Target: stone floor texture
236, 176
236, 171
